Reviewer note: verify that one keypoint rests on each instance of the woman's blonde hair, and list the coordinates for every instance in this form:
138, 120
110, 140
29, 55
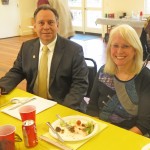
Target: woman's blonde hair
132, 38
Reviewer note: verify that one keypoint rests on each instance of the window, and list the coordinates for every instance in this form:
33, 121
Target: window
147, 6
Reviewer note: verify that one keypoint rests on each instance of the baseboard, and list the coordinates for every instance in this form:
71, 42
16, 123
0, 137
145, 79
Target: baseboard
88, 33
27, 32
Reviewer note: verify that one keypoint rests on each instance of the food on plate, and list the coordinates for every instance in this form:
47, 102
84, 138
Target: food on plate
77, 128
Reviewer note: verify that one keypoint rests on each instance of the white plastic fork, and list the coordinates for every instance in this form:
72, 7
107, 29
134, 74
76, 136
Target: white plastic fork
54, 131
22, 103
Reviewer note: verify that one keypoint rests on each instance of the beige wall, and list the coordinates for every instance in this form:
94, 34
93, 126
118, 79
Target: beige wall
27, 8
120, 6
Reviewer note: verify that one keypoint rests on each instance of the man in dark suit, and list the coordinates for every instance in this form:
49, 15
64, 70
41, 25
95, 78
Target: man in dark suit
67, 71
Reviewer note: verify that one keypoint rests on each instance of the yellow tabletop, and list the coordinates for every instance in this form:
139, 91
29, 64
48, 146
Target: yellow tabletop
111, 138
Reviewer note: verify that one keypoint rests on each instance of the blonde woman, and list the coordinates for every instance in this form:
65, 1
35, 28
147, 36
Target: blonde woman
121, 91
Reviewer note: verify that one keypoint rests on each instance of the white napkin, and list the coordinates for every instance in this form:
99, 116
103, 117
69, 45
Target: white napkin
40, 104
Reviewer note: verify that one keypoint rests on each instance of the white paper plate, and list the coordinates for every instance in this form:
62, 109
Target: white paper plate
146, 147
67, 135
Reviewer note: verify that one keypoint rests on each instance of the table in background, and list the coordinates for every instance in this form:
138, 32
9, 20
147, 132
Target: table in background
135, 23
112, 138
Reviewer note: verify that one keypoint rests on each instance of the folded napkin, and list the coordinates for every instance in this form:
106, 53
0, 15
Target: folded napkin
74, 145
40, 103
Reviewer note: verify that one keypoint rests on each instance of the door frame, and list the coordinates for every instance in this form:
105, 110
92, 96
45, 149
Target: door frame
84, 28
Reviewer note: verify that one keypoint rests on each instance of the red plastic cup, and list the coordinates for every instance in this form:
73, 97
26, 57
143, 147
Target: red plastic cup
27, 112
7, 137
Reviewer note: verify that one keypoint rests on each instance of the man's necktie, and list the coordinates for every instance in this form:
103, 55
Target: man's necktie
43, 70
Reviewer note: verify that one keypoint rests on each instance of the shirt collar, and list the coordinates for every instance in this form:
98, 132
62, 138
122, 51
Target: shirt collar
50, 45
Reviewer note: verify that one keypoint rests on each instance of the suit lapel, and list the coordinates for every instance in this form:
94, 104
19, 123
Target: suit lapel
58, 53
35, 57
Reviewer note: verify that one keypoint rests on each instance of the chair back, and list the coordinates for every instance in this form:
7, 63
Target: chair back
92, 66
144, 42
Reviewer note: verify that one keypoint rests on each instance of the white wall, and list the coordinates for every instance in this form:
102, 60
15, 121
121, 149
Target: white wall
9, 19
9, 26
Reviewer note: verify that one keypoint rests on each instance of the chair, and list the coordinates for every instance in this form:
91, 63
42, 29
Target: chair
92, 66
144, 42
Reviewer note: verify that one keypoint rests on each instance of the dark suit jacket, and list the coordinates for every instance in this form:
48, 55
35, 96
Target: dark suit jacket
68, 75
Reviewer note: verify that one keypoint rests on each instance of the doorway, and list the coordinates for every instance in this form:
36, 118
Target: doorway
85, 13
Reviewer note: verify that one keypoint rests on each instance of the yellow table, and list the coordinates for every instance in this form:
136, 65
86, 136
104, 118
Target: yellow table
112, 138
